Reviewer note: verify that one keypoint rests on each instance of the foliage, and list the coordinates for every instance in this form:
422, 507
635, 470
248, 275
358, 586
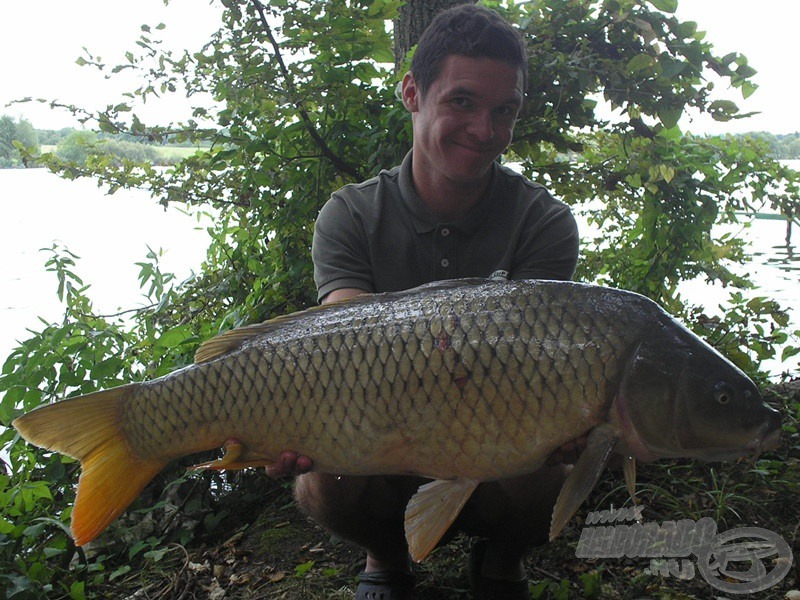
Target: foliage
14, 137
303, 103
781, 146
86, 147
51, 137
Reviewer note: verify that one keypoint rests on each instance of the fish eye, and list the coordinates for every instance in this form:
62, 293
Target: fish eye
723, 393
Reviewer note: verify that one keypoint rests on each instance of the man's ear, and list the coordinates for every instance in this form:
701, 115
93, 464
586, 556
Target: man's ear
410, 93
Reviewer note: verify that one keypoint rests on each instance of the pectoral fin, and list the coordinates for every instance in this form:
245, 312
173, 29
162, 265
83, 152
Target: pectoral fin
629, 470
432, 510
584, 475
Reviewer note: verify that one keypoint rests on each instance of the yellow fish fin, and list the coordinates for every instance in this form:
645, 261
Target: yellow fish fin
237, 456
88, 429
432, 510
599, 446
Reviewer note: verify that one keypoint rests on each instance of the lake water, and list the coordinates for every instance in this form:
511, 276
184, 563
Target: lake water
109, 234
112, 233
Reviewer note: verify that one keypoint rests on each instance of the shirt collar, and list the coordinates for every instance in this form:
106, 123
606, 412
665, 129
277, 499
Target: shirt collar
425, 220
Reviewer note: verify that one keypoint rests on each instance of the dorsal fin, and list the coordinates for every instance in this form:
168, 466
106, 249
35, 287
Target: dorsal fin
231, 340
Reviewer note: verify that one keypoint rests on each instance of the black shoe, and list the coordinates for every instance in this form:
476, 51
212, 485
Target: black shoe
385, 585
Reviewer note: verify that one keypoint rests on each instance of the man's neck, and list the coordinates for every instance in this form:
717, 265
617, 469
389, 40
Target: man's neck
450, 201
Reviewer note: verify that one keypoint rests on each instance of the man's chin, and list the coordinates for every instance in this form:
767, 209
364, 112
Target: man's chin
471, 168
473, 175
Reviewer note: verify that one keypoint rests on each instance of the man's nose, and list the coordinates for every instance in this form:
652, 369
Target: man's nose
481, 125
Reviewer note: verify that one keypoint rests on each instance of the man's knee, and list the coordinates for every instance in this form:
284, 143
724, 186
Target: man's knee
365, 510
327, 498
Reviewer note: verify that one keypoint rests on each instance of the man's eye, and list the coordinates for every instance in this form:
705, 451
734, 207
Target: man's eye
461, 102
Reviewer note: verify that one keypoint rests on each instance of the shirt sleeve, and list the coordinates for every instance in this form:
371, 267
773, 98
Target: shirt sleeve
339, 250
548, 249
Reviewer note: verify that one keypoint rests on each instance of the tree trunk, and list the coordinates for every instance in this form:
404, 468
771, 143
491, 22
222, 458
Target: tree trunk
415, 16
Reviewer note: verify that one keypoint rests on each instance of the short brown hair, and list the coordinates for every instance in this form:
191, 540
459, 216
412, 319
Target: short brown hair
466, 30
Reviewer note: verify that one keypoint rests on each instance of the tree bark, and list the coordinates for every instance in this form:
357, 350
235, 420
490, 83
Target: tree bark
415, 16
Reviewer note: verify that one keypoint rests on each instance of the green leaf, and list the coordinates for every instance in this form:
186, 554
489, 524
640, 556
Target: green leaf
156, 554
670, 116
6, 526
640, 62
383, 55
634, 180
788, 352
722, 110
745, 71
668, 6
119, 572
174, 337
107, 368
40, 489
748, 89
303, 568
77, 590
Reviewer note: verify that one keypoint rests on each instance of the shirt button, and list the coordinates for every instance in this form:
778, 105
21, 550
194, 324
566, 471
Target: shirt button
445, 232
445, 263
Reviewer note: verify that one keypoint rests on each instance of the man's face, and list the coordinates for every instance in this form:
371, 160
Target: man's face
464, 120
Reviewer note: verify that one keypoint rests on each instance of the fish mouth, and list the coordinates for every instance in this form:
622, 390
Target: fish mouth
767, 438
764, 443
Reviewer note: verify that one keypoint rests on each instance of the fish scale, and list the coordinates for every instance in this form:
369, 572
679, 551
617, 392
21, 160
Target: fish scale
463, 381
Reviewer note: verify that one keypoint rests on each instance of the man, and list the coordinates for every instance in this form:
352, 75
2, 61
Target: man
449, 211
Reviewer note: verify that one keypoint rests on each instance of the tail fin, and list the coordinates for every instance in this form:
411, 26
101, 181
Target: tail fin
88, 428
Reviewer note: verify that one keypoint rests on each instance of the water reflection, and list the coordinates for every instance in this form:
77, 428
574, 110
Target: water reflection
783, 256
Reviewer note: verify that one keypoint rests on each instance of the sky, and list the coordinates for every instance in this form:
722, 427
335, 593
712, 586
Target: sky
42, 40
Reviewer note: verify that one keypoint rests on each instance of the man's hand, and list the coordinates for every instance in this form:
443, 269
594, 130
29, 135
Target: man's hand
568, 453
290, 463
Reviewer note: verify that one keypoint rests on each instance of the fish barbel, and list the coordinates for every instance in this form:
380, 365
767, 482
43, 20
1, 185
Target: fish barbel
460, 381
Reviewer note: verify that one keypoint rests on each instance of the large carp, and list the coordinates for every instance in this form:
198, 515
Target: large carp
460, 381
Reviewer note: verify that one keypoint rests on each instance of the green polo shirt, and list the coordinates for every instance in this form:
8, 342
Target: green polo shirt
379, 236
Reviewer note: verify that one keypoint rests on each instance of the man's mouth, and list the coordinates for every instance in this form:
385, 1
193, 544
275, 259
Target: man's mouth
478, 150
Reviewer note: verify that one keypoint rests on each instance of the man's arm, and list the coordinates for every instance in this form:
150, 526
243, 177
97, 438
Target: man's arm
340, 252
342, 294
549, 248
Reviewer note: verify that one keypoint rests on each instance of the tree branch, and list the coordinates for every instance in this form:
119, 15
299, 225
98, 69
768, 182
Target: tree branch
337, 161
